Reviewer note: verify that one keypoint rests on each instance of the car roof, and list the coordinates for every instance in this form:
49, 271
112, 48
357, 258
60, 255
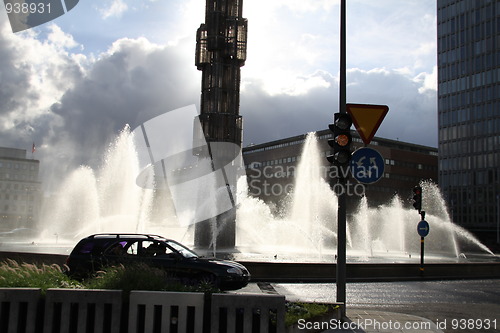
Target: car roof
127, 236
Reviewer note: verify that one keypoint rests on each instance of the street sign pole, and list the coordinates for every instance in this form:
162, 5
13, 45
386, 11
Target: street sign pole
342, 200
423, 231
422, 254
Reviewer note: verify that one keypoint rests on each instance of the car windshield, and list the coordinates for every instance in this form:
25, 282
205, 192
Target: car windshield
184, 251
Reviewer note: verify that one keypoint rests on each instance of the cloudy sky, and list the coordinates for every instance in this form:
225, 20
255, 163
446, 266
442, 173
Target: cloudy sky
72, 84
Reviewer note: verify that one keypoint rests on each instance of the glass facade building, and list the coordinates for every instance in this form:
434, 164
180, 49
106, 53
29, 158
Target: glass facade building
468, 36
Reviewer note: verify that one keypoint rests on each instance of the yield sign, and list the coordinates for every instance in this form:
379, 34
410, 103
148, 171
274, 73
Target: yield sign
367, 119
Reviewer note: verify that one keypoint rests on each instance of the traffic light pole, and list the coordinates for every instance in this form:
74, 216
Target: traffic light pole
342, 218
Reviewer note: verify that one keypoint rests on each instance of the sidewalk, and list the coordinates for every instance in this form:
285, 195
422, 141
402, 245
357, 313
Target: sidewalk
359, 320
369, 321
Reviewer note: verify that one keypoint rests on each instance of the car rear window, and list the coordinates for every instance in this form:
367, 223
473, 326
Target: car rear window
85, 248
91, 246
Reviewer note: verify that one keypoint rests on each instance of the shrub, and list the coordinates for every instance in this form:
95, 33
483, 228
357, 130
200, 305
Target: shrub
13, 274
131, 277
296, 311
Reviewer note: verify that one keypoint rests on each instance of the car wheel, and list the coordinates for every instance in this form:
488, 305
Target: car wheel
209, 280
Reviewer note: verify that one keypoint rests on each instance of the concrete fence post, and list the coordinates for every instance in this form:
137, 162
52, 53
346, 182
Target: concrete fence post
82, 310
239, 313
19, 309
155, 311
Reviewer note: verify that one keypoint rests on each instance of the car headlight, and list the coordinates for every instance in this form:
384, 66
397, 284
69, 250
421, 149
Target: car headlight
235, 270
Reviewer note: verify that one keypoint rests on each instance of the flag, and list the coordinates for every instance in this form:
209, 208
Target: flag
33, 148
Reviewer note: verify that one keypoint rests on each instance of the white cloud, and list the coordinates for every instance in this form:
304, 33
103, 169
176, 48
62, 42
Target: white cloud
412, 110
287, 43
428, 80
71, 104
296, 6
115, 9
289, 40
283, 82
59, 38
33, 74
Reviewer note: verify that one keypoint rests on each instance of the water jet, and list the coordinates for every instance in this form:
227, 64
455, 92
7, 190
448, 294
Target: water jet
108, 200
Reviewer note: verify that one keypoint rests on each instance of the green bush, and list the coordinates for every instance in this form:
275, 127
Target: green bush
15, 275
296, 311
131, 277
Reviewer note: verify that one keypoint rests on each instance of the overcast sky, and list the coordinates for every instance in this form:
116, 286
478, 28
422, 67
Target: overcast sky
72, 84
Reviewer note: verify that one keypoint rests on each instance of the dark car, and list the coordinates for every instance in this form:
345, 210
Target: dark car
97, 251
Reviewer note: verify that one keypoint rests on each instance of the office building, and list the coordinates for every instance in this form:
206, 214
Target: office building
271, 169
468, 36
20, 190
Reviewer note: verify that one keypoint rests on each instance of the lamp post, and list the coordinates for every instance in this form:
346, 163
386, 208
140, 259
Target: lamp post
342, 202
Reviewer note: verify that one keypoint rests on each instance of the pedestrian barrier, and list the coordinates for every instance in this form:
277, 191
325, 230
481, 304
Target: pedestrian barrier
19, 309
154, 311
82, 310
233, 313
103, 311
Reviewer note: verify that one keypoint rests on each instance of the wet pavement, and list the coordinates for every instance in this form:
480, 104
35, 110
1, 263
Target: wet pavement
447, 306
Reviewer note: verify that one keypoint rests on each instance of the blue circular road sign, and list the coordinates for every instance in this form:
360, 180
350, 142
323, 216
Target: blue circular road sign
367, 165
423, 228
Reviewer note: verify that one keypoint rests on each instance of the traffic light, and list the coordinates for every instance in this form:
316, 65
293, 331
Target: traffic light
341, 142
417, 198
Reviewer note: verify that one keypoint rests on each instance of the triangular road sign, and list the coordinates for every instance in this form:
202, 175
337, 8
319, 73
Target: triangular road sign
367, 119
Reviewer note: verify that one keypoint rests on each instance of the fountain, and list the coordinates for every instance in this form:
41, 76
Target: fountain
108, 200
309, 223
304, 226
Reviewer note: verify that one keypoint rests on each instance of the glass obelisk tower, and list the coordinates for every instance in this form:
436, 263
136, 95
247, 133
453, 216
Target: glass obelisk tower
220, 52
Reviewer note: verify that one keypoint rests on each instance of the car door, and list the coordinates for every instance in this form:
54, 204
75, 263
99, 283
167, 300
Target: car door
159, 255
116, 253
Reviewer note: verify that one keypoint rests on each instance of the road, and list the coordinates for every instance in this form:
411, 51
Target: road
439, 301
